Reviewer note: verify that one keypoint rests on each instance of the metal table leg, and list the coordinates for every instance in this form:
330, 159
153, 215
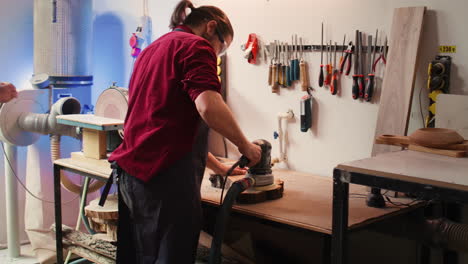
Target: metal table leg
339, 250
58, 214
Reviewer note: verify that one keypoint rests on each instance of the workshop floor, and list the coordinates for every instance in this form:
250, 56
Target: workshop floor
25, 258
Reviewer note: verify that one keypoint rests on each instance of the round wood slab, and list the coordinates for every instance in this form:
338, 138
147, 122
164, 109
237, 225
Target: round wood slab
252, 196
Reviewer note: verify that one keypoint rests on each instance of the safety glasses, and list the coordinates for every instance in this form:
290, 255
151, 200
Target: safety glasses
223, 43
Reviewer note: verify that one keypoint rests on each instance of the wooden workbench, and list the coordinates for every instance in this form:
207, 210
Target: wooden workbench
307, 203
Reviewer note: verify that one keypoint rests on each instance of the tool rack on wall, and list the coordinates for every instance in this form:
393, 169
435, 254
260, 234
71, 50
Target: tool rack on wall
318, 48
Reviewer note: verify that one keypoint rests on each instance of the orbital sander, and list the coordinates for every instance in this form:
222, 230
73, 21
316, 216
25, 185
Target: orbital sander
261, 172
259, 182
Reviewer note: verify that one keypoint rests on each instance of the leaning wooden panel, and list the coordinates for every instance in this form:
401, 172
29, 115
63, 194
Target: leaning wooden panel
398, 84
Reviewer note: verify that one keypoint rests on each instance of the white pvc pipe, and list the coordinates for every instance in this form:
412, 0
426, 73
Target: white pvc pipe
11, 190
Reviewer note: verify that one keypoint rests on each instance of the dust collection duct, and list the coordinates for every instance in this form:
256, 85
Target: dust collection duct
62, 50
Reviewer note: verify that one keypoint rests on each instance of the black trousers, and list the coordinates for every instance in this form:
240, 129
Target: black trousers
160, 220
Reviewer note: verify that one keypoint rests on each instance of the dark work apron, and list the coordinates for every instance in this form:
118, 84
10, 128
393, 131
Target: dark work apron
160, 221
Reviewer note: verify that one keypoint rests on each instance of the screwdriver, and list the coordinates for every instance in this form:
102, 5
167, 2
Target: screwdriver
296, 60
321, 62
330, 67
327, 67
274, 86
288, 67
270, 70
356, 69
334, 80
371, 77
303, 67
280, 65
342, 55
285, 67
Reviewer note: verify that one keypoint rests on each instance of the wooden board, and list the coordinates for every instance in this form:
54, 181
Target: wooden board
101, 171
456, 151
91, 122
452, 112
415, 167
306, 203
398, 84
443, 152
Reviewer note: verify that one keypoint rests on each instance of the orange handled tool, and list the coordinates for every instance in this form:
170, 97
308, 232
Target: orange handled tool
328, 69
321, 62
334, 80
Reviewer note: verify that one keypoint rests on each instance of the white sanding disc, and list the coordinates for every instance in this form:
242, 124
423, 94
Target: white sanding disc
112, 103
34, 101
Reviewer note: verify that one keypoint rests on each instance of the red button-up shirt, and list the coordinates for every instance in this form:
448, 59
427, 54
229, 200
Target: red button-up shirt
161, 122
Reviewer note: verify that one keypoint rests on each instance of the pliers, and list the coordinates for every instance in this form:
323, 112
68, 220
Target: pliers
348, 58
382, 55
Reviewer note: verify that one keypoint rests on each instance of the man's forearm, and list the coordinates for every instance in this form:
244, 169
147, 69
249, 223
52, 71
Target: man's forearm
217, 115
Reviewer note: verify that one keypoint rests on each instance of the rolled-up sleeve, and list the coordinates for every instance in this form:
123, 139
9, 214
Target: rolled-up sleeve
199, 69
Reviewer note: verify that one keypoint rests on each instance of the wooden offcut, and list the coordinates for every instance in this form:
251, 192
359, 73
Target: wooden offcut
94, 143
77, 238
398, 84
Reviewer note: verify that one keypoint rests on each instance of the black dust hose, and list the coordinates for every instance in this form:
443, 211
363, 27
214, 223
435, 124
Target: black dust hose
225, 210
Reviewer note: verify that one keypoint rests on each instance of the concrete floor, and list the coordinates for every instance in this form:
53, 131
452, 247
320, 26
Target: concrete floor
26, 257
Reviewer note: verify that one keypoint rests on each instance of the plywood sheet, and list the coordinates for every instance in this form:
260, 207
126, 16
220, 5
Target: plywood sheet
306, 203
398, 84
452, 112
416, 167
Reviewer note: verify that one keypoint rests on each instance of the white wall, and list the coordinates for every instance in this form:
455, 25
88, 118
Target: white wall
343, 128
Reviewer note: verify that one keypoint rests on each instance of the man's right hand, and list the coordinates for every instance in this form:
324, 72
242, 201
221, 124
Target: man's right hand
251, 151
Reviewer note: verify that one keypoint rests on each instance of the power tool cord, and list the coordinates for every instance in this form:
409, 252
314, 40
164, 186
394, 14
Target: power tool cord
228, 173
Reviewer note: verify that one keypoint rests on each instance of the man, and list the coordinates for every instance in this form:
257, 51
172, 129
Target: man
173, 96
